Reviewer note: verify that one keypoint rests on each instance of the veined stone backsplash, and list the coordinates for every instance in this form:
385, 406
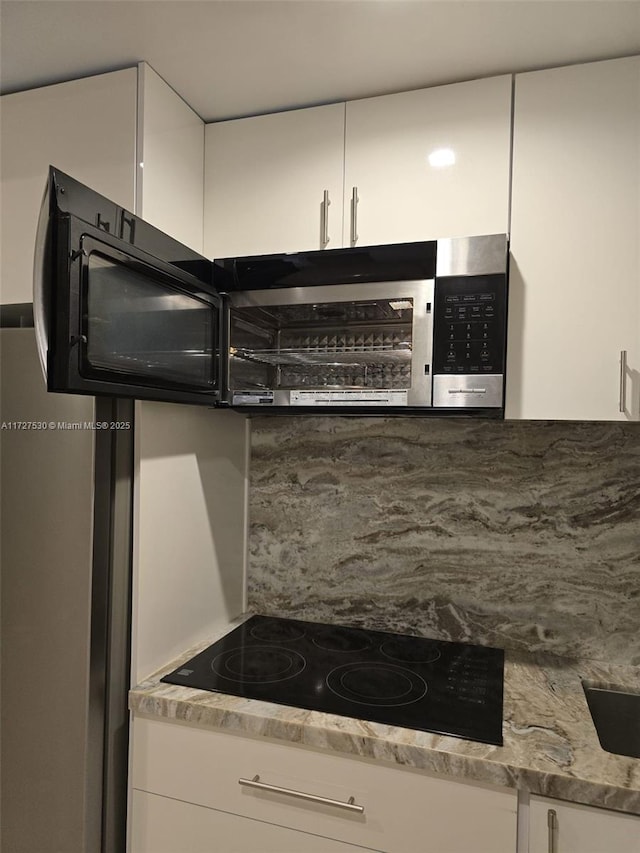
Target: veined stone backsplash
514, 534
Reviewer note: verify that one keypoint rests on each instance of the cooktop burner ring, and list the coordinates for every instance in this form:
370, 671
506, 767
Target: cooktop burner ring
338, 639
258, 664
410, 650
363, 682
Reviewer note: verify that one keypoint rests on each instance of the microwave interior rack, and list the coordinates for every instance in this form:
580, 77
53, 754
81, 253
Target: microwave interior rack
340, 345
311, 356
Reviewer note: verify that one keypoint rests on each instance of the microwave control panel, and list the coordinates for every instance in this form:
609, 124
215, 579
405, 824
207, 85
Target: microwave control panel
470, 327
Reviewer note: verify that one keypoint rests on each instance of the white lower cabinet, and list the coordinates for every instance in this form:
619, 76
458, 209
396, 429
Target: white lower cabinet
559, 827
404, 810
163, 825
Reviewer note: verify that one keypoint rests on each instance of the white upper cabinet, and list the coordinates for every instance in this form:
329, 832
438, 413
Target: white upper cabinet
266, 176
171, 161
571, 828
430, 163
266, 179
575, 228
87, 128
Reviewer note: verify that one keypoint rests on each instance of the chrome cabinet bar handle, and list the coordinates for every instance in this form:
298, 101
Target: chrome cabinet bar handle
623, 380
325, 219
552, 824
354, 216
350, 805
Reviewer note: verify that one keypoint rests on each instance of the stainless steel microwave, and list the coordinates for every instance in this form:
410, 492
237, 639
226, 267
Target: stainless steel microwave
124, 310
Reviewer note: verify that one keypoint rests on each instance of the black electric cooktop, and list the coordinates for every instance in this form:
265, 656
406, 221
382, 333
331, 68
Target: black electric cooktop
396, 679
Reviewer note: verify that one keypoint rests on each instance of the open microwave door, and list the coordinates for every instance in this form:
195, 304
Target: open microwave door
120, 308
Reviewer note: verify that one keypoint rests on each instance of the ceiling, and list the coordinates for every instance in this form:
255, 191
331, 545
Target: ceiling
230, 58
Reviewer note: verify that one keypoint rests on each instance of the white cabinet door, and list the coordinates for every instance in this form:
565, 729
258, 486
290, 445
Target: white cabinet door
170, 184
265, 179
163, 825
402, 196
575, 269
405, 811
580, 829
87, 128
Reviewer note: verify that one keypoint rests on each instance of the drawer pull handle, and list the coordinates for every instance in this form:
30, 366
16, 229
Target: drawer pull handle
350, 805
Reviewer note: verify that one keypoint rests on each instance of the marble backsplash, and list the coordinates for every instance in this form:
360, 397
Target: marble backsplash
524, 535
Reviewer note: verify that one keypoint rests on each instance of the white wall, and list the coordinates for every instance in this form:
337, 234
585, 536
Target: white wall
190, 532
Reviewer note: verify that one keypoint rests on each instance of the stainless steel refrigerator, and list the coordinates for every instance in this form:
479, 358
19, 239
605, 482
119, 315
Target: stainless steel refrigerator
66, 502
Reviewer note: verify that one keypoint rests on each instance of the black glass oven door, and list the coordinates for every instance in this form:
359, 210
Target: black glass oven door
128, 324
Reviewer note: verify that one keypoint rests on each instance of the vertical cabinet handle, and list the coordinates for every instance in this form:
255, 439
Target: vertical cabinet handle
354, 216
623, 380
552, 824
324, 219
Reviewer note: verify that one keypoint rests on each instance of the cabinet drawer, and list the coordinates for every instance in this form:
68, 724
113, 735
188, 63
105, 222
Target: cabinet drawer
404, 810
161, 825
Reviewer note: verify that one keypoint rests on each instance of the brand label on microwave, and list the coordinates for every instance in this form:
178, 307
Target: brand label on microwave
348, 398
253, 398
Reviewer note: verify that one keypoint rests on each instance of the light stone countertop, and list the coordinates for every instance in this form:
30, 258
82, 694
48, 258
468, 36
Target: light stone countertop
550, 743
